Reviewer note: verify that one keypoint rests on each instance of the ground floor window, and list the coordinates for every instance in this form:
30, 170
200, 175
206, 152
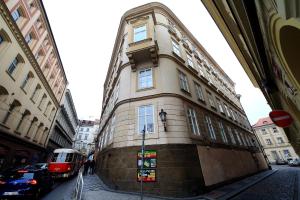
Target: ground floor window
146, 118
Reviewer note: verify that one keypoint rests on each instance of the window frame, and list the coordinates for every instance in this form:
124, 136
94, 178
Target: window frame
190, 60
183, 82
176, 47
13, 66
223, 133
143, 32
145, 116
199, 92
193, 122
210, 127
145, 78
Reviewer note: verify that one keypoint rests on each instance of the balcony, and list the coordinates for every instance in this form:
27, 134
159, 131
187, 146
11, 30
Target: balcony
143, 50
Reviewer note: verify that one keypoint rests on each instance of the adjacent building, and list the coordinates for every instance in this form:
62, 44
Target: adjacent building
264, 35
274, 141
32, 82
158, 70
87, 132
65, 125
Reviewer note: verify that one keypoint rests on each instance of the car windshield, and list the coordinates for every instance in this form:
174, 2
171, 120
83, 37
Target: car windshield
17, 175
62, 157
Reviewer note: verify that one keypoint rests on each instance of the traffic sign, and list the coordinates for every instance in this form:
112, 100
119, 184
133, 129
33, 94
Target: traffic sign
281, 118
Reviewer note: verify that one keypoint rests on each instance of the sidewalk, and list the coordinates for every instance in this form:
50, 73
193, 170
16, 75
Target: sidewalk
94, 188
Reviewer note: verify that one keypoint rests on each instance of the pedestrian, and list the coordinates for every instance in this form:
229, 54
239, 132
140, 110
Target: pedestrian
92, 166
86, 167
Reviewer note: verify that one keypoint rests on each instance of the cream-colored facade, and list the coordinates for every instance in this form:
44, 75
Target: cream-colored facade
32, 80
158, 64
264, 35
274, 141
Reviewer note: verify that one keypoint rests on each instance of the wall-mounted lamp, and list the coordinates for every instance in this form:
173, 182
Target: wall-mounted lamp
163, 118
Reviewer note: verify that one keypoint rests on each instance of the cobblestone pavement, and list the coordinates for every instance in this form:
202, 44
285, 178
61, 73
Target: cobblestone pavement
282, 185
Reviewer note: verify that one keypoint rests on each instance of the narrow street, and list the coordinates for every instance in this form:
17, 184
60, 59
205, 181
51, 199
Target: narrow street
284, 184
62, 190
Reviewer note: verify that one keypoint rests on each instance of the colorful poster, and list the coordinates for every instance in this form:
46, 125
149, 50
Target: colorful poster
149, 175
148, 163
147, 154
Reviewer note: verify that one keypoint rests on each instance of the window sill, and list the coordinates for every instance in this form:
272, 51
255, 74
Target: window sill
178, 57
32, 101
139, 42
17, 132
186, 92
202, 100
11, 76
1, 124
193, 69
23, 90
145, 89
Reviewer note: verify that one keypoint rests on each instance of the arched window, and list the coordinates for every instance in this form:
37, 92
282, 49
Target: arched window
46, 70
3, 94
42, 102
43, 137
32, 128
19, 16
14, 66
14, 108
52, 114
48, 108
27, 81
23, 122
36, 93
38, 132
4, 39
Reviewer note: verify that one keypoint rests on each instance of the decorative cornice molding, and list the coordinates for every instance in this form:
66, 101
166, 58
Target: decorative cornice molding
26, 49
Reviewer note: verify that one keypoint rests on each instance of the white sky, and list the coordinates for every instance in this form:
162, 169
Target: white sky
85, 33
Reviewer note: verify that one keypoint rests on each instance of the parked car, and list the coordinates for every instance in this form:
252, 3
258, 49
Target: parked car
25, 183
295, 162
281, 162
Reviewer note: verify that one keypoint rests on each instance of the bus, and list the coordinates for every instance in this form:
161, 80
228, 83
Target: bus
65, 163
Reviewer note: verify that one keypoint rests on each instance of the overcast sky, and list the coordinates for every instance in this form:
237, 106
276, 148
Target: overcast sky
85, 33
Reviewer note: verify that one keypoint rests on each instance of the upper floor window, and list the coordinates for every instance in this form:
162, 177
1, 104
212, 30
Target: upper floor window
231, 135
28, 38
16, 14
227, 111
200, 69
275, 130
176, 48
79, 137
86, 136
287, 153
87, 129
1, 39
193, 121
12, 67
280, 140
264, 131
210, 128
268, 141
146, 119
81, 129
183, 82
140, 33
223, 134
232, 114
220, 105
145, 78
211, 100
26, 80
190, 60
199, 92
238, 137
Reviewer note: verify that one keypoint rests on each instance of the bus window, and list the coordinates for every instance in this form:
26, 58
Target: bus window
62, 157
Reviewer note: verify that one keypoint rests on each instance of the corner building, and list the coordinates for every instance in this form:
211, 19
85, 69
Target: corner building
158, 64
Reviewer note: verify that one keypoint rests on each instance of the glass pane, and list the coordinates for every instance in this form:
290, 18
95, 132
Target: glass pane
141, 123
142, 111
149, 110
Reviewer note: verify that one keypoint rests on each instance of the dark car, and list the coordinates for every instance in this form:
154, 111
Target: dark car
25, 183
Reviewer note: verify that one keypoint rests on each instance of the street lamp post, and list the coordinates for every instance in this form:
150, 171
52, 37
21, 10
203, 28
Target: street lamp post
142, 164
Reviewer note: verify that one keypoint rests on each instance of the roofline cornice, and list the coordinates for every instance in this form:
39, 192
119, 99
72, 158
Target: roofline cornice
26, 49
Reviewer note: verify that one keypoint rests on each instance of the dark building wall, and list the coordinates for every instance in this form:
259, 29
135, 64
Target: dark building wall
178, 171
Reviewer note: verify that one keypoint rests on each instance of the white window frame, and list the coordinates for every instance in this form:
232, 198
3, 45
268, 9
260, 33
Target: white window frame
144, 70
220, 106
193, 122
142, 32
190, 60
200, 69
199, 92
184, 84
268, 141
210, 128
227, 111
16, 15
176, 48
145, 118
211, 100
223, 133
280, 140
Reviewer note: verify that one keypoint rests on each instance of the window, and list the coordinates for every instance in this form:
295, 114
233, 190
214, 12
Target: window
275, 130
112, 128
199, 92
287, 153
243, 139
35, 93
1, 39
264, 131
183, 82
193, 121
176, 48
12, 67
140, 33
227, 111
145, 78
81, 129
232, 114
190, 60
210, 128
117, 90
26, 80
28, 38
16, 14
87, 129
86, 136
238, 137
146, 119
200, 69
268, 141
223, 134
220, 105
210, 99
79, 137
231, 135
280, 140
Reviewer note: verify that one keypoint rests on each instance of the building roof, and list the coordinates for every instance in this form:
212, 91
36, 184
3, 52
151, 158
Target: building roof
263, 122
